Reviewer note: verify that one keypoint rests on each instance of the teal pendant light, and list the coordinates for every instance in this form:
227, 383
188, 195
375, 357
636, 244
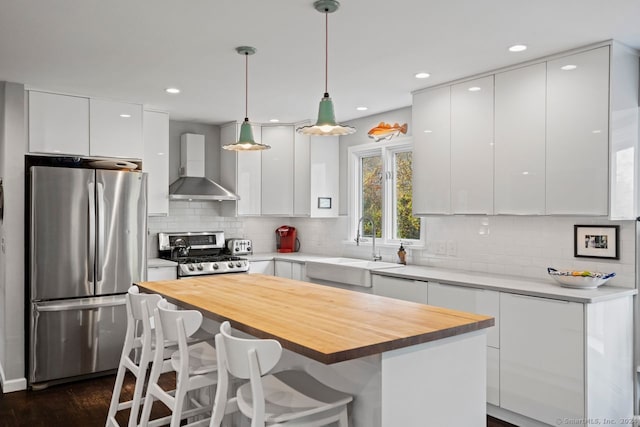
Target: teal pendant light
326, 124
246, 142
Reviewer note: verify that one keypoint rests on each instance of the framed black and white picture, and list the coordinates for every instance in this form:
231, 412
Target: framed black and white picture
596, 241
324, 202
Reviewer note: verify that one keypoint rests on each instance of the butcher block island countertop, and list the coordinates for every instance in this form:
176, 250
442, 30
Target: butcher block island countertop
323, 323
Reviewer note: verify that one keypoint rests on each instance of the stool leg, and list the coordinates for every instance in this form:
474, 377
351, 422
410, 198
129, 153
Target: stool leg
344, 419
137, 395
117, 388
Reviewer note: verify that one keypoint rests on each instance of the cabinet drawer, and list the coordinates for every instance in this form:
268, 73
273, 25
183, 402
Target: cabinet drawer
472, 300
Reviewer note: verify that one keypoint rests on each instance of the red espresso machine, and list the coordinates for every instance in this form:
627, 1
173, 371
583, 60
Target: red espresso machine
286, 239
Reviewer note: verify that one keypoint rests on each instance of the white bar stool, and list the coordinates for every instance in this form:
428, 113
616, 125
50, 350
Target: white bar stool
139, 344
287, 398
195, 365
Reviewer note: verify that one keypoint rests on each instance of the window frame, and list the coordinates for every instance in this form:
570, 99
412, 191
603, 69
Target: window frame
387, 151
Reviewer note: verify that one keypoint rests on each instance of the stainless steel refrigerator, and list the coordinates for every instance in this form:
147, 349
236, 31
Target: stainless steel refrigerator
87, 244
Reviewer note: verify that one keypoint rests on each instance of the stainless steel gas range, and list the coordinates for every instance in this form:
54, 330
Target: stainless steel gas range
204, 253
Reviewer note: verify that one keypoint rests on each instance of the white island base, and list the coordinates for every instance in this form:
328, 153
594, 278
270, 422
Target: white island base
438, 383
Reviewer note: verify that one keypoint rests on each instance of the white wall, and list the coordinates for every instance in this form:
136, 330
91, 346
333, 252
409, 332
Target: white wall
211, 147
12, 148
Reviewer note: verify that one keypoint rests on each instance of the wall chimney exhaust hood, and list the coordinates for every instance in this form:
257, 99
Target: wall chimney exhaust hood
192, 184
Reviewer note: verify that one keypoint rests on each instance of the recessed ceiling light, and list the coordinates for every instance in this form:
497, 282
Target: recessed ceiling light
422, 75
172, 90
568, 67
362, 108
517, 48
125, 116
474, 89
596, 131
274, 120
525, 173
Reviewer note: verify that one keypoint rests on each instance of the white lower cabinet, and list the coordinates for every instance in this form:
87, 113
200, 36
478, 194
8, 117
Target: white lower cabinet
478, 301
290, 270
162, 273
542, 358
404, 289
262, 267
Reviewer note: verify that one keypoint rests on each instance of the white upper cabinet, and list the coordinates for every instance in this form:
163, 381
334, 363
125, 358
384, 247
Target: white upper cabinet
520, 141
58, 124
324, 169
241, 172
577, 133
62, 124
302, 176
286, 180
472, 146
156, 161
116, 129
277, 170
431, 116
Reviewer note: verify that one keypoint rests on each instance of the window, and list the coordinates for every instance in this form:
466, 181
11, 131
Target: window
381, 193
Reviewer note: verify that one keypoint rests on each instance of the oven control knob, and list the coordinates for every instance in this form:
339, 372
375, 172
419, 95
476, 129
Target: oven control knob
190, 267
238, 264
199, 267
248, 248
215, 266
230, 265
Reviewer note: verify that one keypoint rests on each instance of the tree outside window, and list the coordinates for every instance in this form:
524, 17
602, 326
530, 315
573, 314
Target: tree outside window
382, 181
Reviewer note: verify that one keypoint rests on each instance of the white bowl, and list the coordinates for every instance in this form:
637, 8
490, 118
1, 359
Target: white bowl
586, 280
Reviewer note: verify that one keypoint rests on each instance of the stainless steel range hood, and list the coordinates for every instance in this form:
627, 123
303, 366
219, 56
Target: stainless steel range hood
192, 184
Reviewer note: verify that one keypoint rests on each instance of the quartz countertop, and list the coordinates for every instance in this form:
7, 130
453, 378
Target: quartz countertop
511, 284
545, 288
160, 262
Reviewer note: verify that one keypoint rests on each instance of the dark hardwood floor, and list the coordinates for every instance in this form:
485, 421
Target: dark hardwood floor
84, 403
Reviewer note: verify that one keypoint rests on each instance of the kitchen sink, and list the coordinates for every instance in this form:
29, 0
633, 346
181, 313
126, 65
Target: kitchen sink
349, 271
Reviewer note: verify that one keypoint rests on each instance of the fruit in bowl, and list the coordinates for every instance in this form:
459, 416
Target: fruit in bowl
579, 279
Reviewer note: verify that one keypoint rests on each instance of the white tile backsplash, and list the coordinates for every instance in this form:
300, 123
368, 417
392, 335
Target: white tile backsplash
514, 245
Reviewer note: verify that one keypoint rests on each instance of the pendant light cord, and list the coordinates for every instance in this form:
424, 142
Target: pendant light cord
326, 52
246, 86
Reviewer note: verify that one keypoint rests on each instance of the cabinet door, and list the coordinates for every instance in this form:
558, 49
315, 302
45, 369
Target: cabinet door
404, 289
262, 267
542, 358
298, 271
325, 173
283, 269
472, 146
472, 300
277, 171
156, 161
161, 273
520, 98
431, 115
577, 133
115, 129
58, 124
301, 175
249, 178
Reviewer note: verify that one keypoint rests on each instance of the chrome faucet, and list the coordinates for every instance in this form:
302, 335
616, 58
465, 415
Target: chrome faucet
373, 238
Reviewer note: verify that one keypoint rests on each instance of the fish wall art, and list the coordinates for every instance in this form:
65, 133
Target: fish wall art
385, 131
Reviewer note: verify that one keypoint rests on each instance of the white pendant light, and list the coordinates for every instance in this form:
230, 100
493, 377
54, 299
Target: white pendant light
326, 124
246, 142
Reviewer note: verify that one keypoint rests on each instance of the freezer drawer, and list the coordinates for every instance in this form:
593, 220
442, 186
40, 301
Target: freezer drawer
76, 337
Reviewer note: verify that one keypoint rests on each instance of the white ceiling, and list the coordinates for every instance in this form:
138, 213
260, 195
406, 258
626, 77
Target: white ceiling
131, 50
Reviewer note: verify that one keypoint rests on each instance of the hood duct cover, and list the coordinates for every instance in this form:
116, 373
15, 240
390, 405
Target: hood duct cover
192, 184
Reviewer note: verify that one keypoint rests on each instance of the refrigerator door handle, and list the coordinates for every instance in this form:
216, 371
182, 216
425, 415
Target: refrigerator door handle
91, 235
100, 220
78, 305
